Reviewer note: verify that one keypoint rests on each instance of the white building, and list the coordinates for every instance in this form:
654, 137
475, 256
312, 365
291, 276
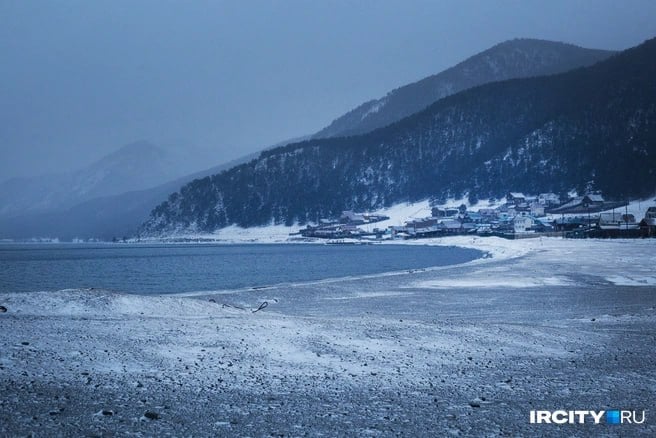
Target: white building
522, 224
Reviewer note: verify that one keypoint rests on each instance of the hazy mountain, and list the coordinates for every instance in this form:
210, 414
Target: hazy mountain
135, 166
104, 217
593, 126
517, 58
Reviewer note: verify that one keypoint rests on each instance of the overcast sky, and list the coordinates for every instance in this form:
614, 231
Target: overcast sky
79, 79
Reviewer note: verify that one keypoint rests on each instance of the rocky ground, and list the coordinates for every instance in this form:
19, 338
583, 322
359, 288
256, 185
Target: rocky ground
466, 350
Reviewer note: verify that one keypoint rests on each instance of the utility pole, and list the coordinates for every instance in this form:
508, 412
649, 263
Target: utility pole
626, 215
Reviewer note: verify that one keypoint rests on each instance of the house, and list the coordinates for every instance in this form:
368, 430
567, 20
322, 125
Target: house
451, 225
331, 231
650, 217
438, 212
504, 217
594, 198
515, 198
487, 212
522, 224
648, 223
593, 203
468, 227
504, 225
398, 231
542, 226
570, 223
372, 218
537, 209
349, 217
617, 221
548, 199
422, 225
475, 217
484, 229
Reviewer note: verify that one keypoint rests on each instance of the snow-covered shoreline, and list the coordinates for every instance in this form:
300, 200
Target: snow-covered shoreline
397, 214
463, 349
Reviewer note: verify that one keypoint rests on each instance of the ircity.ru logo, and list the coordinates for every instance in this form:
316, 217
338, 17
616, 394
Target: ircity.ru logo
614, 416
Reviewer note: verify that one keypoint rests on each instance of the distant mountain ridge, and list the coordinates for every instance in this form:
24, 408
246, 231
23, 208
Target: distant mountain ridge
103, 217
87, 206
138, 165
591, 127
518, 58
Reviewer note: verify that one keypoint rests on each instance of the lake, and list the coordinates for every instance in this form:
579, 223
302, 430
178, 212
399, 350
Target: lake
161, 269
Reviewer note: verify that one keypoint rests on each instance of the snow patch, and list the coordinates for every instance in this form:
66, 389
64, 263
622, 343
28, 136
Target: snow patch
233, 234
494, 283
374, 108
634, 280
361, 295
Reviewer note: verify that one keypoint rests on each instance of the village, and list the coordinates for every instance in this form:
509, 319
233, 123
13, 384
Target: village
520, 216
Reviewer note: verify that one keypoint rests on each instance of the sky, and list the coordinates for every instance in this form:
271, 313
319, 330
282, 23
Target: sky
221, 79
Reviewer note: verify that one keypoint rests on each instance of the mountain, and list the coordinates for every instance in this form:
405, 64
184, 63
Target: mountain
591, 127
138, 165
111, 198
513, 59
104, 217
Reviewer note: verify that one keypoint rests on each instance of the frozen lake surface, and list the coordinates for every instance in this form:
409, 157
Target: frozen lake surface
160, 269
464, 350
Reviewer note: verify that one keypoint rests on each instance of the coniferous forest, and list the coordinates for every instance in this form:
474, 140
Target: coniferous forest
594, 127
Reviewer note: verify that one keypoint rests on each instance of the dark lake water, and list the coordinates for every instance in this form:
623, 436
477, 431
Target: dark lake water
150, 269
